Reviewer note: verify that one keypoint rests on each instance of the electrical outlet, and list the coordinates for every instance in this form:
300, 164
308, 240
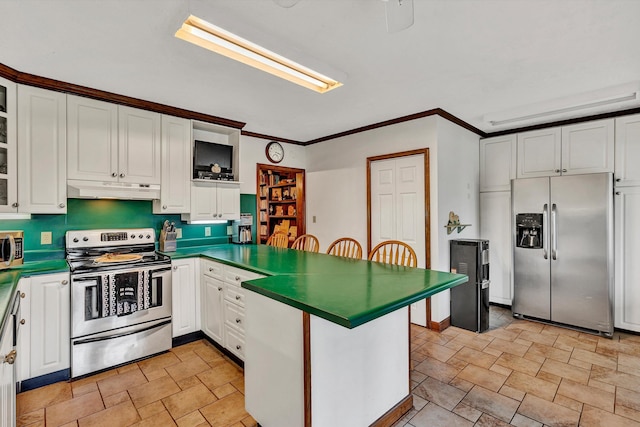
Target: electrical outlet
45, 238
207, 231
229, 230
178, 233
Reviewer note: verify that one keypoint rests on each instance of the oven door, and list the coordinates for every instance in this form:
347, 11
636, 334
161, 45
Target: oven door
103, 301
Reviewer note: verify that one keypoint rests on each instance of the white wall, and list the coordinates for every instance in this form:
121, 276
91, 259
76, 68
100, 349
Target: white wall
337, 189
252, 151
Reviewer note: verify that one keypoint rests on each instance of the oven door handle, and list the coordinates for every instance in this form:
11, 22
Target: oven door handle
124, 334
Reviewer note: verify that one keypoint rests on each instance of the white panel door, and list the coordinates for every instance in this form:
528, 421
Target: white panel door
539, 153
495, 225
139, 146
50, 323
627, 148
228, 200
497, 163
398, 210
627, 254
42, 152
203, 202
175, 182
588, 147
8, 147
212, 309
7, 379
92, 139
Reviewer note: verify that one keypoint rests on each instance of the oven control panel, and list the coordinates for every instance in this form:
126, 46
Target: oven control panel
97, 238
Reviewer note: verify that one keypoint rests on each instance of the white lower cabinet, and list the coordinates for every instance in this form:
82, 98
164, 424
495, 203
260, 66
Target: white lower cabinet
223, 304
50, 324
627, 254
495, 225
185, 294
212, 297
7, 377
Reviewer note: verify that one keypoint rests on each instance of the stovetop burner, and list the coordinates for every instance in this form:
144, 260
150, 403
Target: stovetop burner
111, 249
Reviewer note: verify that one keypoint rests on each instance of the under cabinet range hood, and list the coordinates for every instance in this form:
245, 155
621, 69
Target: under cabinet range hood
77, 189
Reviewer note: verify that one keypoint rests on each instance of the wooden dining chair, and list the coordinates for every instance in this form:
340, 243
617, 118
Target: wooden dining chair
278, 240
306, 242
394, 252
345, 247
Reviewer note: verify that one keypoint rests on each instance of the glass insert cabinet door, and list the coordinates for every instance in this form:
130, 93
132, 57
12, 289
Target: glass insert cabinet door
8, 173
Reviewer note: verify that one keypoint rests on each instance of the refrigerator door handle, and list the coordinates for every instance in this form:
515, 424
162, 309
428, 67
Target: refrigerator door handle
545, 226
554, 233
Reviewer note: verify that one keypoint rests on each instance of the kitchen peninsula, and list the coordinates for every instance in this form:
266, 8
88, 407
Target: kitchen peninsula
326, 338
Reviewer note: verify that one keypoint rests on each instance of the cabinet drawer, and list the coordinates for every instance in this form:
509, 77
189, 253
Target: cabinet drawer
235, 341
234, 294
212, 269
234, 316
236, 276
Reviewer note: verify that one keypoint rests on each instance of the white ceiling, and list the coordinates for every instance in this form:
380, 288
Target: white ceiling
468, 57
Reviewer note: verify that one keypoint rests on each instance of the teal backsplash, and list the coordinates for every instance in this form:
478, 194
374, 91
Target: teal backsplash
88, 214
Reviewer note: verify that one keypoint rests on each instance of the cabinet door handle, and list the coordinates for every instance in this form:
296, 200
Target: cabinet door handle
238, 347
10, 358
618, 179
22, 321
238, 297
220, 288
113, 174
564, 170
14, 205
164, 206
237, 278
65, 282
238, 321
175, 268
556, 170
617, 193
61, 205
211, 269
121, 175
22, 295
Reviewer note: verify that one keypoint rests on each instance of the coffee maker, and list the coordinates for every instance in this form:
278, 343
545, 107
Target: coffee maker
242, 229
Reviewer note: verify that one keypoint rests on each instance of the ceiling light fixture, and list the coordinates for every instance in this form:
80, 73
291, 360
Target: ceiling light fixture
218, 40
622, 96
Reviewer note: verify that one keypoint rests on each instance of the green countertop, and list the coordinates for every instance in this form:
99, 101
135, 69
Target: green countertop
344, 291
9, 280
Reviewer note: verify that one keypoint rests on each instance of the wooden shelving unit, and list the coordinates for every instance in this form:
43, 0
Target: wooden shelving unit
281, 201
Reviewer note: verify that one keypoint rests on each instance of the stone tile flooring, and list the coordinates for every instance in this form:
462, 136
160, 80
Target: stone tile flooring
519, 373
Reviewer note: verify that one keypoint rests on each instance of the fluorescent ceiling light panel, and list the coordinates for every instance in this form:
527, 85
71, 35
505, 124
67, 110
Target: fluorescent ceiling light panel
218, 40
621, 96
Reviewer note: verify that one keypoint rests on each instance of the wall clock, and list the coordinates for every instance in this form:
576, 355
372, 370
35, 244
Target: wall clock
275, 152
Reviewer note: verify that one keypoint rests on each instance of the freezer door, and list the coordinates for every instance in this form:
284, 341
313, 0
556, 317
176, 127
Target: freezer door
581, 223
531, 276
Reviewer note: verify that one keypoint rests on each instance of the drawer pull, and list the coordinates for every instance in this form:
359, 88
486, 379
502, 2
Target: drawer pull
238, 297
175, 268
237, 278
220, 288
211, 269
238, 320
22, 322
238, 347
65, 282
22, 295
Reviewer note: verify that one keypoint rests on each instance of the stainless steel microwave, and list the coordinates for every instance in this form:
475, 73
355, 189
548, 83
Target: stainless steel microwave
11, 248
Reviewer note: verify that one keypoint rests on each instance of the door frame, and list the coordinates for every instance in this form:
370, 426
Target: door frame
427, 207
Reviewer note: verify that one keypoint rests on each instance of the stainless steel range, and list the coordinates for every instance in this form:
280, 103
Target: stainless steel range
120, 298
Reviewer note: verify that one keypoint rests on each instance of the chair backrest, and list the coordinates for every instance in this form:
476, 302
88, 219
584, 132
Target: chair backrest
394, 252
306, 242
279, 240
346, 247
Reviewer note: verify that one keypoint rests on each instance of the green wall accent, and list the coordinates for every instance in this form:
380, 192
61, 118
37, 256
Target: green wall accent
88, 214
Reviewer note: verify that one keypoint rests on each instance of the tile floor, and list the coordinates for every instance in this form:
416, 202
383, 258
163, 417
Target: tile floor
519, 373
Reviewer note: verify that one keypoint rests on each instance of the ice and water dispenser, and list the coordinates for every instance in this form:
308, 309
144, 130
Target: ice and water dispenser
529, 232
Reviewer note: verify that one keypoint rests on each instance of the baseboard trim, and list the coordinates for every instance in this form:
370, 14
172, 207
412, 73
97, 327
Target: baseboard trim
395, 413
187, 338
497, 304
43, 380
440, 326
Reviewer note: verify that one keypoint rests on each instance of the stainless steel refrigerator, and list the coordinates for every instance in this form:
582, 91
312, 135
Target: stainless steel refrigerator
563, 250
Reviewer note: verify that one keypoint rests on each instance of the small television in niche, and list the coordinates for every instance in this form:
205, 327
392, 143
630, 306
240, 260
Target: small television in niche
208, 154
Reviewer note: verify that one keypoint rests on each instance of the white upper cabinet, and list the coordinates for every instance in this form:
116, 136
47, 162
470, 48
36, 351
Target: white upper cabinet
627, 171
112, 143
92, 139
539, 153
497, 163
42, 154
8, 141
588, 147
175, 182
570, 150
214, 201
138, 146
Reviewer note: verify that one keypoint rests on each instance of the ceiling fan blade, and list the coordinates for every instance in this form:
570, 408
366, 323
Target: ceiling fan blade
399, 14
